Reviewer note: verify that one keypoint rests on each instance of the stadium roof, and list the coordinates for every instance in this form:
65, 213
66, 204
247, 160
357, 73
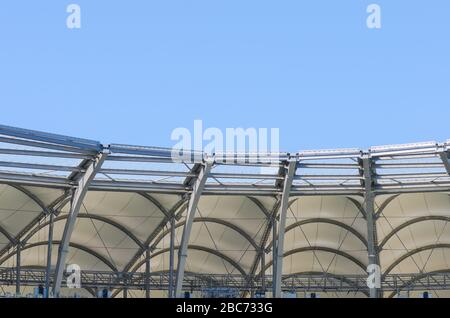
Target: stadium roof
329, 200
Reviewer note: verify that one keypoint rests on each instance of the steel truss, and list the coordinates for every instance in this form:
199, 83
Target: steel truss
396, 169
302, 282
409, 168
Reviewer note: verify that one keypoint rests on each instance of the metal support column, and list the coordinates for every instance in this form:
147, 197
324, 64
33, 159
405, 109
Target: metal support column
19, 247
49, 256
192, 207
369, 202
171, 255
147, 272
263, 272
77, 199
274, 252
445, 160
289, 176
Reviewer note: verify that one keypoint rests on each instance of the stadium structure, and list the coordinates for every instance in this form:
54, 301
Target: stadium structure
139, 224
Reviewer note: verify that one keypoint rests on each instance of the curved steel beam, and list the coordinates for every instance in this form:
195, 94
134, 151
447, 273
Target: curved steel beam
5, 233
101, 218
322, 249
328, 221
198, 248
385, 204
352, 200
63, 203
74, 245
358, 206
155, 202
210, 220
32, 196
411, 222
177, 206
411, 253
265, 236
259, 205
417, 278
35, 221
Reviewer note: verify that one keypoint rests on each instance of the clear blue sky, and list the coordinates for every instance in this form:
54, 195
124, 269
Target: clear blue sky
138, 69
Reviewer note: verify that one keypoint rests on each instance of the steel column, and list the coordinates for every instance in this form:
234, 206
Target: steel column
171, 255
49, 256
274, 252
75, 205
147, 272
289, 177
445, 160
19, 247
369, 203
192, 207
263, 272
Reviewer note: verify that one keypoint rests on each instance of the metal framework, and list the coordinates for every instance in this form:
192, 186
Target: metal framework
29, 158
300, 282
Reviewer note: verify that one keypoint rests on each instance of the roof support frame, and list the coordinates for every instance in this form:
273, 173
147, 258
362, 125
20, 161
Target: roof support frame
413, 252
72, 244
328, 221
197, 189
369, 207
384, 205
417, 278
198, 248
411, 222
171, 256
97, 217
445, 160
45, 211
323, 249
290, 168
77, 199
211, 220
177, 207
6, 234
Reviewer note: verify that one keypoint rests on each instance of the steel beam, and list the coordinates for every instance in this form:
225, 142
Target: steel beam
263, 272
18, 258
291, 166
300, 282
198, 187
274, 251
49, 256
369, 207
446, 161
171, 255
76, 201
147, 272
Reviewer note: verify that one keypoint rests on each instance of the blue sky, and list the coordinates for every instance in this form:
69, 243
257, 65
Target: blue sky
138, 69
